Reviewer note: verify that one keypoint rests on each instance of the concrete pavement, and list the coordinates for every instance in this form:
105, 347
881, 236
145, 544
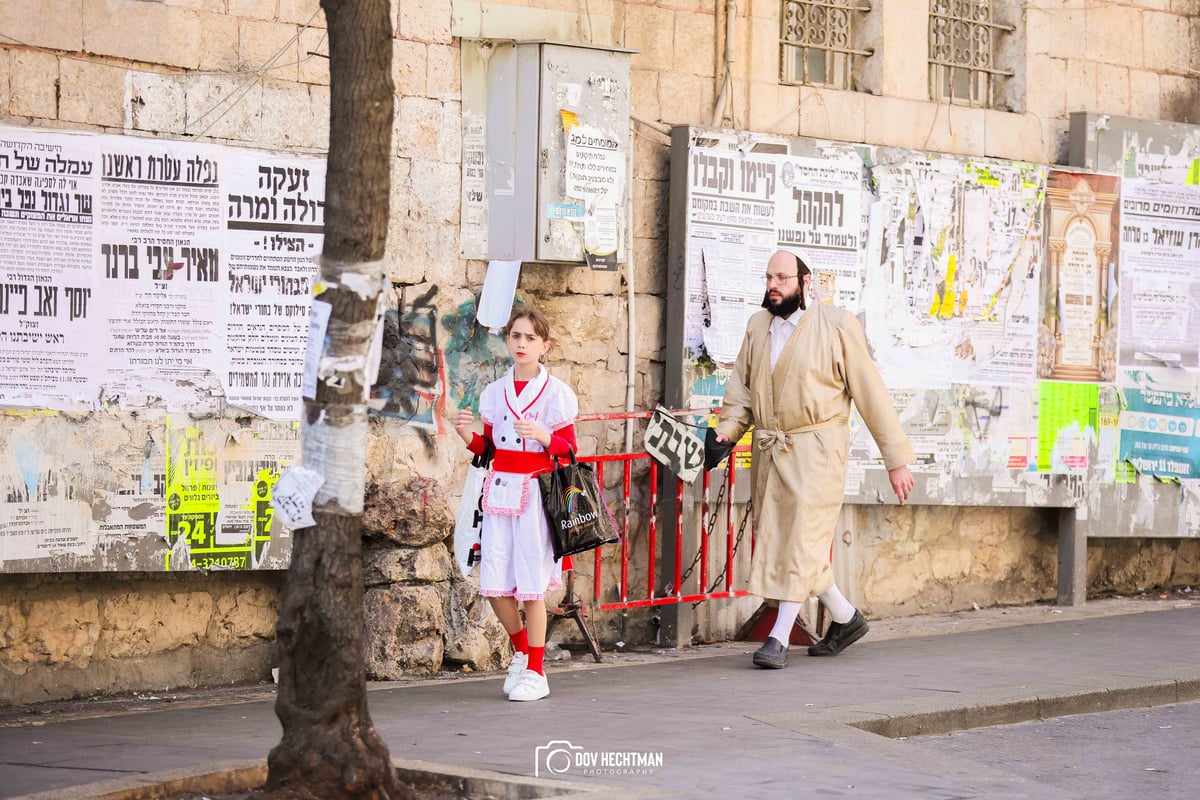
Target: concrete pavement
696, 723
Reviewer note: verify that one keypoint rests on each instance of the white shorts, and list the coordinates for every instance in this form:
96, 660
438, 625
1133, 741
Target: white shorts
516, 555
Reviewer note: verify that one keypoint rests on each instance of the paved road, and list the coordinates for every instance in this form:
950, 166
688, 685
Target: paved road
1146, 753
724, 729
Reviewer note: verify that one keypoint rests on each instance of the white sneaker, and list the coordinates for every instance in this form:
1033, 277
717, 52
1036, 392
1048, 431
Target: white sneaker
532, 686
519, 662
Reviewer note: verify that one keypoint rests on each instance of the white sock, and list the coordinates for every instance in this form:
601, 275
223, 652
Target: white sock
837, 605
784, 620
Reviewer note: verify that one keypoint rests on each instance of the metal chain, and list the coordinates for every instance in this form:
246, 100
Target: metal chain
712, 522
736, 543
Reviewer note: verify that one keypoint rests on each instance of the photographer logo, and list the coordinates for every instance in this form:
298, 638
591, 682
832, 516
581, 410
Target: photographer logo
559, 757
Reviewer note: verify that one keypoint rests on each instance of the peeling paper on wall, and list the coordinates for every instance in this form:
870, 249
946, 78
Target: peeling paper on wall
293, 496
329, 450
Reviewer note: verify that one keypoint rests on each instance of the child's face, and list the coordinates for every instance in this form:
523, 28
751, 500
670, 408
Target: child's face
524, 345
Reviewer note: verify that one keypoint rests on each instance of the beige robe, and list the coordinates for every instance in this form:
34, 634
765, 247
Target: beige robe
801, 411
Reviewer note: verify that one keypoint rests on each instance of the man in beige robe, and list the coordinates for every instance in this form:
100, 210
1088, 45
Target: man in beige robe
798, 370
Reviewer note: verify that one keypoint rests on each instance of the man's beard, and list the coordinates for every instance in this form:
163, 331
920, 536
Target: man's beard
785, 307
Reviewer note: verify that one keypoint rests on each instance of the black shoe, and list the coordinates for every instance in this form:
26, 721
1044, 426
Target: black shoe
772, 655
840, 636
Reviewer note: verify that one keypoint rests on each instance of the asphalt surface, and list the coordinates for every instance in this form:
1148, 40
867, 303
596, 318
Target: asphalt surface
705, 723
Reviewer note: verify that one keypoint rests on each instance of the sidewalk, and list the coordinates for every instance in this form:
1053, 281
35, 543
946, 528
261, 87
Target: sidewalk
695, 723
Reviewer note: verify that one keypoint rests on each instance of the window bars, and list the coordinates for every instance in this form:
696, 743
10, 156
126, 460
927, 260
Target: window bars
816, 46
962, 44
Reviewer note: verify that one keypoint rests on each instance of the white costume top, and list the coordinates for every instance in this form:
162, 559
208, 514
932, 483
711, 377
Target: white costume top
545, 400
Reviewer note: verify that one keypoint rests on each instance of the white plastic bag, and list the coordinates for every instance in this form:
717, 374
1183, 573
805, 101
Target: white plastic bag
468, 526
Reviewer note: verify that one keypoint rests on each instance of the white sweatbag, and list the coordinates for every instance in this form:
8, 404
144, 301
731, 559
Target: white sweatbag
468, 526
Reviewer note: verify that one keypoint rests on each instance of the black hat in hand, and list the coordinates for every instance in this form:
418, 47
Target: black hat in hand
714, 452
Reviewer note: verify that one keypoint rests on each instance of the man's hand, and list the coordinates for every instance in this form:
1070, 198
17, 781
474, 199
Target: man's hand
902, 482
722, 438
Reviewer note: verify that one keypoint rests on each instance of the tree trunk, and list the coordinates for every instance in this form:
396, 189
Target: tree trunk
329, 748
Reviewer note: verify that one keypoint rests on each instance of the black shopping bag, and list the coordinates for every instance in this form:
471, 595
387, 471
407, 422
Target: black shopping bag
575, 509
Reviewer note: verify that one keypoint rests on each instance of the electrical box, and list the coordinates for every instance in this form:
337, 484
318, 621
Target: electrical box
1135, 148
557, 153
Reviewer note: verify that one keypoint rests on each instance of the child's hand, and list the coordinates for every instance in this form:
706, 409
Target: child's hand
531, 430
464, 421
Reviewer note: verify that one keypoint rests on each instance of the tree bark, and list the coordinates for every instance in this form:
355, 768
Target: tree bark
329, 747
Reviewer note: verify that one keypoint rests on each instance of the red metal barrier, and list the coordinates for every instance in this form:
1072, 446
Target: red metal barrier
735, 527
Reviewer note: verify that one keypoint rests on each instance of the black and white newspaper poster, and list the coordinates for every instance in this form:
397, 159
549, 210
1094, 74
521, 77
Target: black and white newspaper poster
48, 187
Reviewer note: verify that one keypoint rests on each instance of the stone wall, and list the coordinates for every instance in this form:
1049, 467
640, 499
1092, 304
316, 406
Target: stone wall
252, 74
64, 636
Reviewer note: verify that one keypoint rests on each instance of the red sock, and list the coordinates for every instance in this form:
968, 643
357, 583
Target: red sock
520, 641
536, 655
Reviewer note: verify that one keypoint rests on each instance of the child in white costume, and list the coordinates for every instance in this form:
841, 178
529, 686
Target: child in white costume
528, 416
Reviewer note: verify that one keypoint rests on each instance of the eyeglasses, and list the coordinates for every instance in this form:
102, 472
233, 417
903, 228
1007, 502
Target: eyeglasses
770, 278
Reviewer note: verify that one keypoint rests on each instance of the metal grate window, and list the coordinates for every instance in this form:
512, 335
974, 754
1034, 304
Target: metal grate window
817, 45
962, 43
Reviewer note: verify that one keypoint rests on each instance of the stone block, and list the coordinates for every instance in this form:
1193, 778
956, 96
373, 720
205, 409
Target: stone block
157, 103
411, 511
1167, 42
157, 34
1058, 30
1112, 88
55, 24
1178, 98
444, 78
269, 48
600, 390
251, 9
651, 326
774, 107
650, 30
474, 638
1081, 87
425, 21
223, 108
285, 117
388, 565
582, 280
301, 12
409, 74
404, 626
91, 93
1046, 86
218, 42
760, 64
418, 126
243, 614
435, 197
695, 43
318, 106
449, 142
651, 156
650, 199
902, 123
582, 325
314, 56
957, 130
32, 84
5, 72
1015, 136
650, 264
833, 114
138, 624
1114, 34
685, 97
644, 94
1143, 94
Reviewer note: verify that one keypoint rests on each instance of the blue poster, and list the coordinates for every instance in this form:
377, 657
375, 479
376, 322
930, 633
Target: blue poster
1158, 428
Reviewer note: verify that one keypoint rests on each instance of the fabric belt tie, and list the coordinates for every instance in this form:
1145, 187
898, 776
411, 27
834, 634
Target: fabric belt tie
780, 441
